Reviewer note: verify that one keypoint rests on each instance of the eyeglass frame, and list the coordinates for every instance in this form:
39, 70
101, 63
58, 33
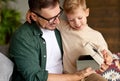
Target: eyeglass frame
54, 18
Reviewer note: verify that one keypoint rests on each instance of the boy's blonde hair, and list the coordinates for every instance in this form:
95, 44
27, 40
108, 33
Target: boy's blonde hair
70, 5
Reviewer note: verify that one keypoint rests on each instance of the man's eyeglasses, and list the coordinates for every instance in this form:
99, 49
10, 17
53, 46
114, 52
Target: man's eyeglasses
52, 19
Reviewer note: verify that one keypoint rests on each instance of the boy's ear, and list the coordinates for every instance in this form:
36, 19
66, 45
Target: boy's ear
87, 12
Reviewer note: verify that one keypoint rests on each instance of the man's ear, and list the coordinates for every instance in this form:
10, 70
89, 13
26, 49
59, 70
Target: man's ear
87, 12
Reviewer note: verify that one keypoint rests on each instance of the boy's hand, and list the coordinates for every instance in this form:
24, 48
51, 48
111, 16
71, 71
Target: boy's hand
107, 57
28, 15
107, 61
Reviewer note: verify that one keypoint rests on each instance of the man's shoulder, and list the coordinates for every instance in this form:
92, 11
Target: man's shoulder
24, 34
23, 29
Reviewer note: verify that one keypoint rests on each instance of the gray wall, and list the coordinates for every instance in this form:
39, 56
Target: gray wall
22, 7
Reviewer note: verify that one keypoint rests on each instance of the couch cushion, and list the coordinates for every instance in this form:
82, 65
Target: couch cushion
6, 68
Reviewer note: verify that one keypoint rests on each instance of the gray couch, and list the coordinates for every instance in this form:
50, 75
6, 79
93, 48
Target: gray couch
6, 65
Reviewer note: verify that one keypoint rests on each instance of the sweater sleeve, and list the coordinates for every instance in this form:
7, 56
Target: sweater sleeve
103, 44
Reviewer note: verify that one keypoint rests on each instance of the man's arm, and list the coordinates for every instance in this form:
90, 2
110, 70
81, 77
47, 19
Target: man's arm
71, 77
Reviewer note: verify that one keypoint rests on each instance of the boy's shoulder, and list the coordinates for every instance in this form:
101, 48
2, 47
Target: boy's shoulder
63, 25
93, 30
63, 22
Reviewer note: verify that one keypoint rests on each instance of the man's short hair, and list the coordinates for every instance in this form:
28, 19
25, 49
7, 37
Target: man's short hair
36, 5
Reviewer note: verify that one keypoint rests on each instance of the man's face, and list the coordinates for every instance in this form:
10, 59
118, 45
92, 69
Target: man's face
48, 18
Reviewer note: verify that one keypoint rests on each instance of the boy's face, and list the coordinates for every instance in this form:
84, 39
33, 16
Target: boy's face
78, 19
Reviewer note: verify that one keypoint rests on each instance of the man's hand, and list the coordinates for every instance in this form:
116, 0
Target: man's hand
77, 76
85, 72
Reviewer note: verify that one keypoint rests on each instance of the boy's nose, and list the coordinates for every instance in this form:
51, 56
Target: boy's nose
77, 23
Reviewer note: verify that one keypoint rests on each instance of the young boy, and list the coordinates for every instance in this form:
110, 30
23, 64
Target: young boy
79, 39
77, 36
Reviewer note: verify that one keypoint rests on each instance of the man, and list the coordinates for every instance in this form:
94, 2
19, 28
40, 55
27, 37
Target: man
36, 48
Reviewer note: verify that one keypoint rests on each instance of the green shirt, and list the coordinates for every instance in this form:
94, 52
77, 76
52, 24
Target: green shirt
28, 52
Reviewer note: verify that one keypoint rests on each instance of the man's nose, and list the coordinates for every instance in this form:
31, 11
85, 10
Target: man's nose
57, 20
